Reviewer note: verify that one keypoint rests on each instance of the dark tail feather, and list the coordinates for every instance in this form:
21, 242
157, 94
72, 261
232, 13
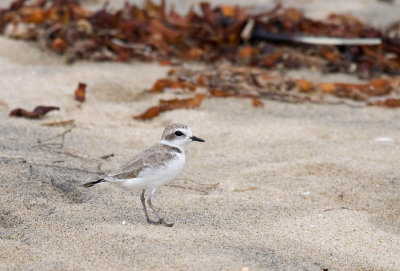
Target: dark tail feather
90, 184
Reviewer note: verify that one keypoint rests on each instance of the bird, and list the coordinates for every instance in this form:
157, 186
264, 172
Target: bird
153, 167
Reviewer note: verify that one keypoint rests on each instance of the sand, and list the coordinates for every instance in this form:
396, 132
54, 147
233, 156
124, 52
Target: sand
283, 187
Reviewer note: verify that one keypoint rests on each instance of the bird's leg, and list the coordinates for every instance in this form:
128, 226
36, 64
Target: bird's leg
160, 219
145, 210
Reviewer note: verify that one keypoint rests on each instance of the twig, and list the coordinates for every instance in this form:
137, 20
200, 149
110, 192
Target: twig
341, 208
251, 188
75, 155
134, 46
208, 186
269, 12
59, 123
247, 30
46, 145
259, 33
62, 135
69, 168
204, 191
24, 161
107, 156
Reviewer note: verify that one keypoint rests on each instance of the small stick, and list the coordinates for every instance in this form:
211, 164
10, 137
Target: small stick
202, 191
107, 156
259, 33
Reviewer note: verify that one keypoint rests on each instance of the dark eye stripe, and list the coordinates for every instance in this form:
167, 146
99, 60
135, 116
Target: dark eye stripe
178, 133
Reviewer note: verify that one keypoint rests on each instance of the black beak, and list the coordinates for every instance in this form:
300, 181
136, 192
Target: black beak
195, 138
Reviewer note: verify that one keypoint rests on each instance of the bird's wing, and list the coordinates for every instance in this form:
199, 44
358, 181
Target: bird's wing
156, 156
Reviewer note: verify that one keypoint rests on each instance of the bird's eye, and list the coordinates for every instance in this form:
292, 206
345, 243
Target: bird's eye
178, 133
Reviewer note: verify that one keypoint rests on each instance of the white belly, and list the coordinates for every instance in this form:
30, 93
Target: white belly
154, 177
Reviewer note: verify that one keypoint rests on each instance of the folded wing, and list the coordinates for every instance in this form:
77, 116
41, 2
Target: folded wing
155, 157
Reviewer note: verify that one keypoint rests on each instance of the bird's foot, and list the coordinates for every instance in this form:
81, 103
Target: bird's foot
163, 222
153, 222
160, 222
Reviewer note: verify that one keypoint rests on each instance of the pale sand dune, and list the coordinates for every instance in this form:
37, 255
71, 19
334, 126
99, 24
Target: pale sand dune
300, 187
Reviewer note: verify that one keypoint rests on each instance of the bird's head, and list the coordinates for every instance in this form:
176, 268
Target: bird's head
178, 135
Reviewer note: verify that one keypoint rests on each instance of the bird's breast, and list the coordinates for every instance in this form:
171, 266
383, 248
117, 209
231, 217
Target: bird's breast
165, 173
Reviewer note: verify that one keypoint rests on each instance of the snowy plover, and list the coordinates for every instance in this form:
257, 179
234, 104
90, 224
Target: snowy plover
154, 166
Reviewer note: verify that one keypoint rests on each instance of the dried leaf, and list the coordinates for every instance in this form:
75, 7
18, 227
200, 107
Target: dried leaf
165, 105
327, 87
388, 102
164, 83
304, 85
150, 113
228, 11
219, 93
80, 92
271, 60
201, 80
59, 45
169, 34
376, 87
35, 16
257, 102
194, 53
169, 63
182, 103
36, 113
247, 52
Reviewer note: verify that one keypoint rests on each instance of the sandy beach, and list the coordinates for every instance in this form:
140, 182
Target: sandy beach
281, 187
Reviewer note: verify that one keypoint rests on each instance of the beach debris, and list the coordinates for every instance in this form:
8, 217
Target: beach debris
162, 84
203, 189
49, 141
59, 123
383, 139
80, 92
387, 102
166, 105
257, 102
107, 156
38, 112
3, 104
256, 83
250, 188
281, 37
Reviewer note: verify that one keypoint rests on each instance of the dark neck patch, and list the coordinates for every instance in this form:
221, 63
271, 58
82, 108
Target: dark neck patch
175, 149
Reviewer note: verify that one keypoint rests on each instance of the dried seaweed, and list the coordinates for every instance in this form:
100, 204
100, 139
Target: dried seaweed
38, 112
166, 105
341, 43
230, 81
